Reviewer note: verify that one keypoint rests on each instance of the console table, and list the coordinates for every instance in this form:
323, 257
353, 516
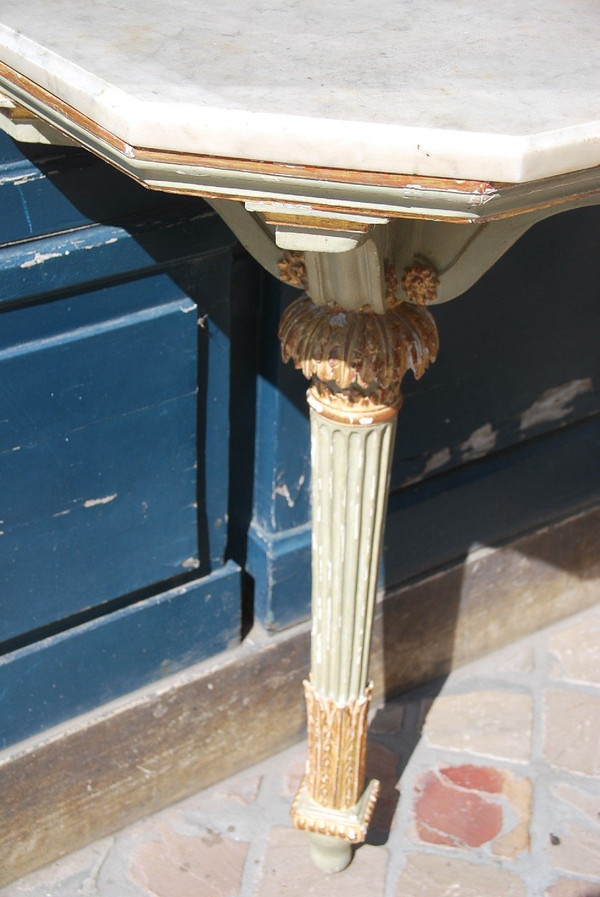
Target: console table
379, 157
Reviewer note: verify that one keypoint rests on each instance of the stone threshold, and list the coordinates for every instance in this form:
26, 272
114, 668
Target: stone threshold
101, 771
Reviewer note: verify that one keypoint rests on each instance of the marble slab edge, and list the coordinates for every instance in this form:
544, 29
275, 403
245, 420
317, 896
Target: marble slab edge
302, 186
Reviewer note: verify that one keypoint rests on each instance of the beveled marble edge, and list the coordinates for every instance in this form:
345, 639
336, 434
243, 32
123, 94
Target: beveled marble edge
318, 190
295, 139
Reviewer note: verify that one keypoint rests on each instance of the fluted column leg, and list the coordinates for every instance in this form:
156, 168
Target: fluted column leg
356, 361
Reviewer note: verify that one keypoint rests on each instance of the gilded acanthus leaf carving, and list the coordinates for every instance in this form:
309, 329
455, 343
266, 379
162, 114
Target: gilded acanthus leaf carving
360, 355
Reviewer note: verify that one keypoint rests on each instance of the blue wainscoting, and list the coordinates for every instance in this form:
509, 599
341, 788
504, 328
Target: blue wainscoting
115, 324
154, 450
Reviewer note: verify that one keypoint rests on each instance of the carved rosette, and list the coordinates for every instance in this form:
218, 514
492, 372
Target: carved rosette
292, 269
356, 360
420, 284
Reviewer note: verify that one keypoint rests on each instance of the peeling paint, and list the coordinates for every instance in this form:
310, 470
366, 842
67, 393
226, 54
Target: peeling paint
480, 442
284, 491
553, 405
39, 258
191, 563
438, 459
92, 502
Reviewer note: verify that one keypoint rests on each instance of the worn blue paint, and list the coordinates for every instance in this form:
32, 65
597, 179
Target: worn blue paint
114, 436
50, 190
530, 325
282, 461
75, 671
440, 520
98, 253
280, 566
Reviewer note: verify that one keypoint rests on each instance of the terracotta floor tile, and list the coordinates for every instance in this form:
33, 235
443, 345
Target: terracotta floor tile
467, 807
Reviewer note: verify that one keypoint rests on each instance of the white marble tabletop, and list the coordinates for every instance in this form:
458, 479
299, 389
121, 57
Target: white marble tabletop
506, 91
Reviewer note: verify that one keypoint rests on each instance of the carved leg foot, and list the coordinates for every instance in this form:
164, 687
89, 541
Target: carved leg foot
356, 361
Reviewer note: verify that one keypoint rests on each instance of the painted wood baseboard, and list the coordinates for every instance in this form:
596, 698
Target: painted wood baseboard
100, 771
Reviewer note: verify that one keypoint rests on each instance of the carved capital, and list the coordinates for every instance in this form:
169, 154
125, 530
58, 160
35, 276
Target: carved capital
356, 360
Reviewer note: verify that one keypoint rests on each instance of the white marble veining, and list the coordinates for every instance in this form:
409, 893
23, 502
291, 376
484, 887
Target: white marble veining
451, 88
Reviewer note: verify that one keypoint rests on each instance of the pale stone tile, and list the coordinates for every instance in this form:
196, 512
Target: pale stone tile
572, 725
287, 869
519, 659
73, 874
293, 774
577, 651
177, 865
429, 875
573, 887
588, 804
576, 849
488, 723
243, 789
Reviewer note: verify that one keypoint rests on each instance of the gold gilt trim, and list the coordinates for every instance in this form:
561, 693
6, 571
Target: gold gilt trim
332, 798
421, 284
357, 358
337, 745
350, 825
292, 269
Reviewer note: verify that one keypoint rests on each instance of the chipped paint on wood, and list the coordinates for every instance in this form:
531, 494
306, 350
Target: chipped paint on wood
283, 490
39, 258
92, 502
480, 442
553, 404
437, 460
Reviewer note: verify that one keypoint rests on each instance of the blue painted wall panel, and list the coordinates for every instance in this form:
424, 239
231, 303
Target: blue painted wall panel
527, 333
96, 254
45, 190
103, 511
72, 379
59, 677
114, 432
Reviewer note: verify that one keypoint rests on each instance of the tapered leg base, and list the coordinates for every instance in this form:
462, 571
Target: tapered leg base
330, 854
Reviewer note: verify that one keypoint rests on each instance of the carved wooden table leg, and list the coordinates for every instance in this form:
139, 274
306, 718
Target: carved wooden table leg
356, 361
